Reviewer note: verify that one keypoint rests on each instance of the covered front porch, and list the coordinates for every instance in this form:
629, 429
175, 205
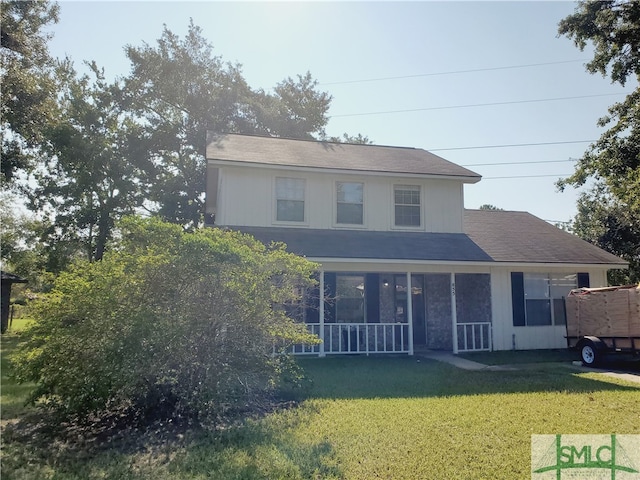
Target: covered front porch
397, 312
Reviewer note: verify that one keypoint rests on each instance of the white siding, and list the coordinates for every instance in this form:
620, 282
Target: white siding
530, 337
444, 206
246, 197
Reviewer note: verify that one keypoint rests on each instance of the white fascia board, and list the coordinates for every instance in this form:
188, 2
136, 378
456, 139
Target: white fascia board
560, 265
487, 265
340, 171
383, 261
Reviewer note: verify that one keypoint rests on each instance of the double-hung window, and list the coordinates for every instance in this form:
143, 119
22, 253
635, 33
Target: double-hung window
407, 205
350, 203
538, 298
290, 199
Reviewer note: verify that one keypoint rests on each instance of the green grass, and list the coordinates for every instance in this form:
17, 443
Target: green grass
514, 357
361, 418
12, 395
520, 357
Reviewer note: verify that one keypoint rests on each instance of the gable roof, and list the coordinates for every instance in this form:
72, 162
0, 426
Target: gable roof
271, 151
493, 236
521, 237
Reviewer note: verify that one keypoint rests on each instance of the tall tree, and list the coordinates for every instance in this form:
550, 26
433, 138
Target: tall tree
28, 79
91, 175
613, 162
602, 221
488, 206
182, 91
358, 139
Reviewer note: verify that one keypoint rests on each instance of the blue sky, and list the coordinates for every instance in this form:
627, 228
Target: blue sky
414, 74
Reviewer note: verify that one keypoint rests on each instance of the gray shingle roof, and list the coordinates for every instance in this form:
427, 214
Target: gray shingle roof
521, 237
326, 155
7, 277
372, 245
490, 236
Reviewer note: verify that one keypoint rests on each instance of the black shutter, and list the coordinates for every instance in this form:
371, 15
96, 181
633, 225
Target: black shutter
517, 299
372, 297
583, 280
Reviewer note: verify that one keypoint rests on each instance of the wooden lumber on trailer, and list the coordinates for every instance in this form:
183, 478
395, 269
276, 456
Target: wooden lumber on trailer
604, 312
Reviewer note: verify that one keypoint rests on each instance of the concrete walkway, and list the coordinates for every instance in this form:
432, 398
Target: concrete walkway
624, 375
463, 363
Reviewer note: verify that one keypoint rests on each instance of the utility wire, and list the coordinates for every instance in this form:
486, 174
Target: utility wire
526, 176
515, 163
508, 146
454, 72
475, 105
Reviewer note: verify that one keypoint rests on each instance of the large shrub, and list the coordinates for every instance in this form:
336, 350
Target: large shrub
168, 323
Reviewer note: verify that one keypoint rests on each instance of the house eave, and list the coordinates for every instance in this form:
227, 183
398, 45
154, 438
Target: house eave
458, 263
572, 265
344, 171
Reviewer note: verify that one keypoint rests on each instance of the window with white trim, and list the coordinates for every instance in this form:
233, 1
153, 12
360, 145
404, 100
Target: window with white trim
407, 205
290, 199
544, 297
350, 203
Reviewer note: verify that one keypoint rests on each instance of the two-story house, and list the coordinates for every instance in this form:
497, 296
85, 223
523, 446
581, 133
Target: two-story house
403, 265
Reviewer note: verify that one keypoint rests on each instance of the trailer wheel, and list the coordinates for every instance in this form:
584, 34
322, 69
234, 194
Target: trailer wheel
590, 355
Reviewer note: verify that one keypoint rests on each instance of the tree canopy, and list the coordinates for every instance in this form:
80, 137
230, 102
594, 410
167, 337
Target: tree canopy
95, 150
29, 81
612, 162
181, 90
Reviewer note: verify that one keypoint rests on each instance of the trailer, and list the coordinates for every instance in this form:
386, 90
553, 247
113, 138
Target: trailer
601, 321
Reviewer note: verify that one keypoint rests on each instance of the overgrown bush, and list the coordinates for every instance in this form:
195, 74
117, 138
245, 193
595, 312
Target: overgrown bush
168, 323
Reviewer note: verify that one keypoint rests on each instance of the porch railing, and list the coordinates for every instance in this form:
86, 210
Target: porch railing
474, 337
298, 349
345, 338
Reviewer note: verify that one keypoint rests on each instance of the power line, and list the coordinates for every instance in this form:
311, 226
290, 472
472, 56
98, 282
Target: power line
516, 163
384, 112
526, 176
454, 72
508, 146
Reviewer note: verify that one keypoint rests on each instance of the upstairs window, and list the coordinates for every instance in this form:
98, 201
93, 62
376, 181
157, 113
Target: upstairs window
350, 203
290, 199
407, 205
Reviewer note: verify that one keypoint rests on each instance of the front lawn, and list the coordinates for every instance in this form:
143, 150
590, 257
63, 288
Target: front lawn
515, 357
361, 418
12, 395
619, 361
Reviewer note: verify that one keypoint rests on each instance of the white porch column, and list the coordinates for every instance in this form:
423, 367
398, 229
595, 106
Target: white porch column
410, 312
454, 315
321, 313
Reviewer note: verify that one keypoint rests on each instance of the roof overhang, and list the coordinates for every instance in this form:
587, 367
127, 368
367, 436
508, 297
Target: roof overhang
488, 264
343, 171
